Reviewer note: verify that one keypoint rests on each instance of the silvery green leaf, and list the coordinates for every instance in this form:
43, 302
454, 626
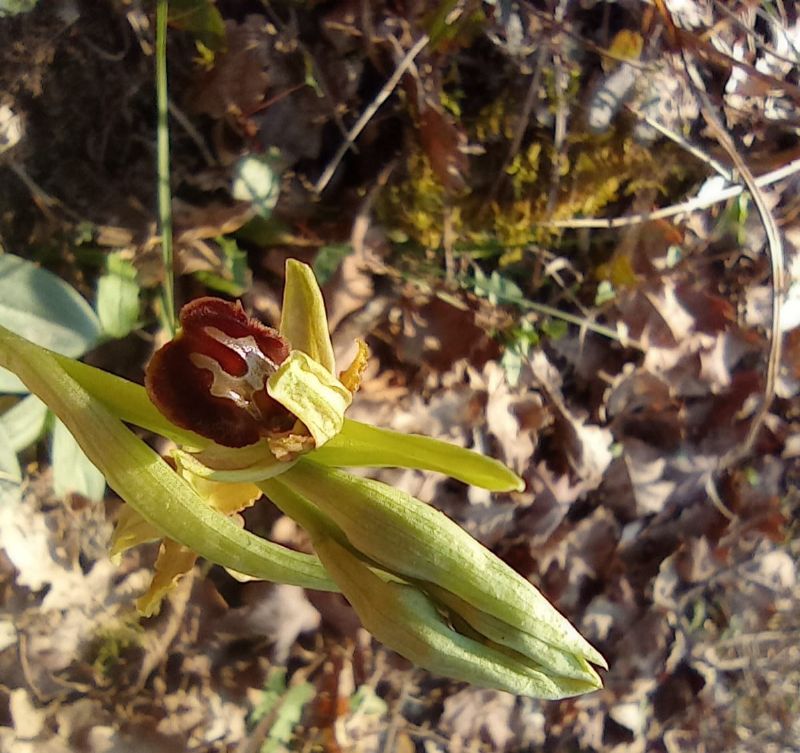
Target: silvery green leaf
10, 472
37, 304
118, 297
256, 180
73, 472
24, 422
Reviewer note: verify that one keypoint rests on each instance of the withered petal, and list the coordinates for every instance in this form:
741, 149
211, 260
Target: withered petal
211, 378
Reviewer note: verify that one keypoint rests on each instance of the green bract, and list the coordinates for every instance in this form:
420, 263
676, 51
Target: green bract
418, 581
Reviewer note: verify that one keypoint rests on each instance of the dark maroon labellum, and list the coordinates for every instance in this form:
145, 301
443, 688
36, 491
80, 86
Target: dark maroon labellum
212, 377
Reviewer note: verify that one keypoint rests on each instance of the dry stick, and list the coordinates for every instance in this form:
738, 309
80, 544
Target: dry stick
775, 246
686, 145
366, 116
692, 205
191, 131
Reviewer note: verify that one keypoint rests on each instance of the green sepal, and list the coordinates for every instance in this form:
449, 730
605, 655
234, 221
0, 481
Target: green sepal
416, 541
407, 621
146, 482
368, 446
312, 393
556, 662
303, 320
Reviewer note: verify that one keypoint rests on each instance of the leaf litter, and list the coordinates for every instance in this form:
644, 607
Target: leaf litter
639, 521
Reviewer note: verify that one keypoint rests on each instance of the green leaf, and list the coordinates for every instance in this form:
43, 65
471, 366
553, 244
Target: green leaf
146, 482
363, 445
328, 259
24, 422
518, 346
10, 472
555, 329
236, 277
37, 304
201, 19
496, 288
286, 707
367, 702
274, 687
287, 717
118, 297
73, 472
255, 179
14, 7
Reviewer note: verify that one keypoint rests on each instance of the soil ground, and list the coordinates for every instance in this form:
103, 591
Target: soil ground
532, 229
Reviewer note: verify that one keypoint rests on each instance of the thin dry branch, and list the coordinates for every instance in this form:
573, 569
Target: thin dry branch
691, 205
367, 115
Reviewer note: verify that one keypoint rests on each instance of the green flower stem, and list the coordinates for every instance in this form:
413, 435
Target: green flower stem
418, 542
146, 482
368, 446
162, 146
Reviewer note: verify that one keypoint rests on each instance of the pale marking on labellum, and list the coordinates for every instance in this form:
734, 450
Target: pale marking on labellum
238, 389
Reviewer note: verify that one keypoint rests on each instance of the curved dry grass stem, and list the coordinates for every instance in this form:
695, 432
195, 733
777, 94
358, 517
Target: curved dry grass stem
776, 257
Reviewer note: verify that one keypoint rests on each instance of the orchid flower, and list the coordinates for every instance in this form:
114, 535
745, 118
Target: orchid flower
254, 411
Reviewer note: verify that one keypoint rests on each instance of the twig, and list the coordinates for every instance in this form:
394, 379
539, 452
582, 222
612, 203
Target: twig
691, 205
319, 78
756, 39
522, 124
686, 145
192, 132
164, 193
366, 116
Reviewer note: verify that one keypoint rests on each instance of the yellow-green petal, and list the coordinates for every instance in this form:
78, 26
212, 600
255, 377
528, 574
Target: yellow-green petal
312, 393
232, 464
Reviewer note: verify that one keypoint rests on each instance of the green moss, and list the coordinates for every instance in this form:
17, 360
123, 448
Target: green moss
591, 173
111, 641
